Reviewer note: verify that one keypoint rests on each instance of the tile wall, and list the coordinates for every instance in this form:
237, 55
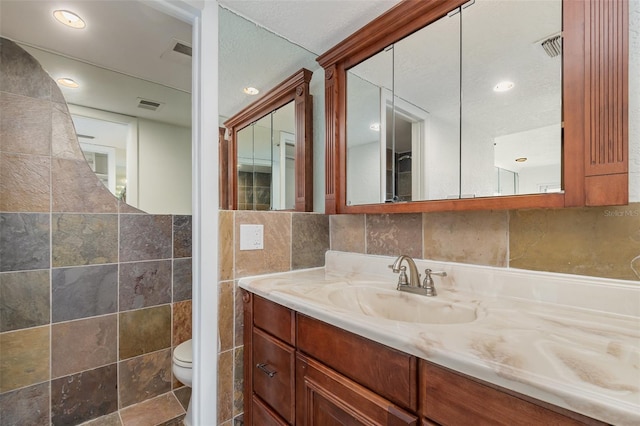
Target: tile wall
93, 293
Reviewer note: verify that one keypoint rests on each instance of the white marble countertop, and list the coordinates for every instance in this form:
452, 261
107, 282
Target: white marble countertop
568, 340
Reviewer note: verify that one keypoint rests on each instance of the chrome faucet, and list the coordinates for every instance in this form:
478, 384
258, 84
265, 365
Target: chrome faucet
412, 283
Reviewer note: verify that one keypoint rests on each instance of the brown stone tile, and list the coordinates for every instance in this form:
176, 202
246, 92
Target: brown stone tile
156, 411
145, 237
144, 331
182, 279
83, 345
64, 142
596, 241
24, 241
394, 234
276, 255
25, 125
310, 239
238, 380
182, 230
24, 299
181, 322
238, 339
225, 315
76, 189
225, 244
125, 208
225, 386
84, 239
183, 394
477, 237
26, 406
24, 358
56, 94
112, 419
144, 284
145, 377
84, 291
84, 396
348, 233
21, 73
24, 183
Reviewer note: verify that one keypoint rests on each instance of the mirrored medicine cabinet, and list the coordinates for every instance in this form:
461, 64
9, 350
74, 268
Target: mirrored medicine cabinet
485, 104
270, 150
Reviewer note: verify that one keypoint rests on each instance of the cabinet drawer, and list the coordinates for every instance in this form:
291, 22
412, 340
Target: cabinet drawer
274, 319
274, 373
452, 399
386, 371
263, 415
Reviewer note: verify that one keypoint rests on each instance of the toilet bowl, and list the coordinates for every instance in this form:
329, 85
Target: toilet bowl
182, 363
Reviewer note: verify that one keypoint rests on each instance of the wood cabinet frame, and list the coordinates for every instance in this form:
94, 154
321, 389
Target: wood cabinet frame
594, 108
294, 88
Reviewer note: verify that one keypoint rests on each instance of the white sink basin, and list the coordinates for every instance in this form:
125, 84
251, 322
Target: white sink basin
398, 306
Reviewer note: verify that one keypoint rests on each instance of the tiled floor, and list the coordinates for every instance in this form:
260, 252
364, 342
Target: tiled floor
163, 410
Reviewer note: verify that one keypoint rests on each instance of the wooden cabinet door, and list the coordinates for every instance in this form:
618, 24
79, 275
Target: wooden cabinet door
326, 398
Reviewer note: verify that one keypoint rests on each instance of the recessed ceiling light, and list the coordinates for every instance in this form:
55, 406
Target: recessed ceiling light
68, 82
69, 19
250, 90
503, 86
375, 127
521, 159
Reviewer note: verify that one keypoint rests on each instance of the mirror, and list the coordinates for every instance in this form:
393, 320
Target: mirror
423, 121
270, 151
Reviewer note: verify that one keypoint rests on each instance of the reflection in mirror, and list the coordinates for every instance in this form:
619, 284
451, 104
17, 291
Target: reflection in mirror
446, 134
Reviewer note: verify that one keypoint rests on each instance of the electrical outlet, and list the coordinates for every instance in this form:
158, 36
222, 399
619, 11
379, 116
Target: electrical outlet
251, 237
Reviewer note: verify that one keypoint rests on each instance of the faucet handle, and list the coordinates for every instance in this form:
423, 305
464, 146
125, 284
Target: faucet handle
403, 279
429, 272
428, 284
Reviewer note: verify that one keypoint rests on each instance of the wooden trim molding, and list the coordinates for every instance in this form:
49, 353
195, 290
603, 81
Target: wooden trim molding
295, 88
595, 106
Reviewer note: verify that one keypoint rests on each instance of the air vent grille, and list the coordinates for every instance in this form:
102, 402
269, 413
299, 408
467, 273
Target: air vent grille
552, 46
149, 104
182, 48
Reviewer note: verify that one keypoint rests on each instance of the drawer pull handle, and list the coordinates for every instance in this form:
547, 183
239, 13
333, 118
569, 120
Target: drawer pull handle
265, 370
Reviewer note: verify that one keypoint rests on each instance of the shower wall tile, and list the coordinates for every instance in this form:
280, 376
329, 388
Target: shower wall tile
310, 239
596, 241
26, 406
126, 208
225, 315
348, 233
276, 255
84, 396
25, 125
84, 239
24, 358
64, 142
75, 189
394, 234
21, 73
225, 386
225, 244
145, 377
84, 291
144, 284
83, 345
181, 322
24, 299
182, 236
24, 183
238, 326
112, 419
56, 94
24, 241
182, 279
144, 331
238, 380
161, 410
477, 237
145, 237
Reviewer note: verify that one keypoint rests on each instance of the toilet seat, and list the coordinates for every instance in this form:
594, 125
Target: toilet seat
183, 354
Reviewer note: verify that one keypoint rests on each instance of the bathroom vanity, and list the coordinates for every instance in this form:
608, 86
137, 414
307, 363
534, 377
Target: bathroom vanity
339, 345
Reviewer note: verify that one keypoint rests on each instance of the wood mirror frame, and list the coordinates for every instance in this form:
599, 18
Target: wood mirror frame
294, 88
594, 105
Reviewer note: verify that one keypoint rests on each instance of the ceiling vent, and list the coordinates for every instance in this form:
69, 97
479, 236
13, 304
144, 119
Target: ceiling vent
182, 48
552, 46
149, 104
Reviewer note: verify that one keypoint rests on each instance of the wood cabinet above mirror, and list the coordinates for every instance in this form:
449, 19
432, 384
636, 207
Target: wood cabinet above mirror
589, 117
270, 155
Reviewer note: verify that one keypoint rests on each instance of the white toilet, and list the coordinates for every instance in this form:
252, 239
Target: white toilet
182, 363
